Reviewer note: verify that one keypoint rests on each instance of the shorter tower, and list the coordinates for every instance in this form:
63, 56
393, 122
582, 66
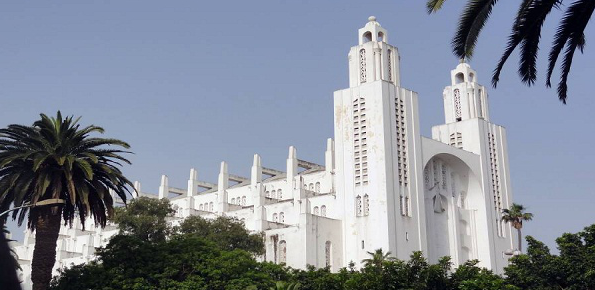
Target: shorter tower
468, 127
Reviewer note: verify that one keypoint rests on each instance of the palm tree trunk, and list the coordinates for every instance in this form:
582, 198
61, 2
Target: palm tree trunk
44, 254
520, 241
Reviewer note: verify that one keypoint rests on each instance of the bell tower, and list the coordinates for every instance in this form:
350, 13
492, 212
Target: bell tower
468, 127
376, 140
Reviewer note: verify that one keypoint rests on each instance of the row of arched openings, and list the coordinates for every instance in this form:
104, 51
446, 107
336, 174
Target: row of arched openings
279, 218
239, 201
206, 206
320, 211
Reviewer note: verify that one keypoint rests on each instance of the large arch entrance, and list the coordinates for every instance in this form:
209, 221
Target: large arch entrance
452, 195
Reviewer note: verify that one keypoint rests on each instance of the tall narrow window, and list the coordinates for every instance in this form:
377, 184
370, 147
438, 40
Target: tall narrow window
201, 207
390, 65
275, 217
323, 211
362, 65
274, 194
458, 109
281, 217
243, 200
317, 187
358, 205
316, 211
211, 206
279, 194
327, 253
366, 205
311, 187
233, 201
282, 252
402, 204
407, 206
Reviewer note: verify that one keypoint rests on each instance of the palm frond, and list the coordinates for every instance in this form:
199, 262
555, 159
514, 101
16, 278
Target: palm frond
570, 33
473, 19
434, 5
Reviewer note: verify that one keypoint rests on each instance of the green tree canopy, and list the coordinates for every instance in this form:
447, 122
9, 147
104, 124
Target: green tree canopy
229, 233
145, 218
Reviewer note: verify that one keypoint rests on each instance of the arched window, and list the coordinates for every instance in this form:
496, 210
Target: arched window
380, 37
367, 37
316, 210
358, 206
459, 78
366, 204
317, 187
275, 217
267, 193
274, 194
279, 194
311, 187
201, 207
233, 201
471, 77
243, 200
211, 206
282, 252
323, 210
281, 217
327, 253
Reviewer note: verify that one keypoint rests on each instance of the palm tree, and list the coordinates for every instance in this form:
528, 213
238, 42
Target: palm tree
57, 159
515, 215
526, 33
286, 286
377, 258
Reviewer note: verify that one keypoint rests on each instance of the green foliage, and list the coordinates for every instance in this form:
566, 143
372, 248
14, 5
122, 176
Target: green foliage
573, 268
182, 262
216, 254
229, 233
145, 218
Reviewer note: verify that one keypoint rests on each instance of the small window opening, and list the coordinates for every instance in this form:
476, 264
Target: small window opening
363, 244
459, 78
380, 37
367, 36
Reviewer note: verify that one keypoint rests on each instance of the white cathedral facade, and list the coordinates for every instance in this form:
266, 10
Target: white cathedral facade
383, 185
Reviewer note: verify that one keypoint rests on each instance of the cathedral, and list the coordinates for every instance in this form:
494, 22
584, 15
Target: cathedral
382, 185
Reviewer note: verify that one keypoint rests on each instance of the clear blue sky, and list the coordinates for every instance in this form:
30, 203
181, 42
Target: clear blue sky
192, 83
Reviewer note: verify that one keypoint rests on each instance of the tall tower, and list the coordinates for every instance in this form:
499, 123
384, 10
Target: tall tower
468, 127
376, 140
